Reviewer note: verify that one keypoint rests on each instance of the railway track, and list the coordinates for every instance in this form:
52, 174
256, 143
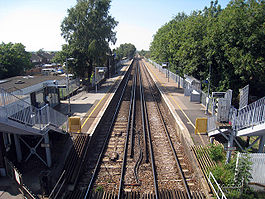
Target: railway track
134, 152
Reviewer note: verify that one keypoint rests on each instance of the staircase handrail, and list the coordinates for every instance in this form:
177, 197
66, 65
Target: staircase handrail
12, 95
251, 114
23, 112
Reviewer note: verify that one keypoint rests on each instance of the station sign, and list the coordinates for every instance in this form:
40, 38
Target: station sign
61, 86
229, 148
45, 145
164, 65
218, 94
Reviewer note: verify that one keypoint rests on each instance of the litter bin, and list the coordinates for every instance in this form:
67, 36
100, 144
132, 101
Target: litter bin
195, 96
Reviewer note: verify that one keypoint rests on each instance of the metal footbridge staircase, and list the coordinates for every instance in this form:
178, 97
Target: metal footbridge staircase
17, 116
247, 121
250, 120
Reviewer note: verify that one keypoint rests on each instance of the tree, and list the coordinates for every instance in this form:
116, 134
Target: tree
230, 41
14, 60
88, 29
125, 50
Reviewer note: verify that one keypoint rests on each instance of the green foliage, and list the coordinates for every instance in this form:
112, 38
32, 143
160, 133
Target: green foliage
125, 50
225, 173
230, 40
216, 153
88, 29
14, 60
61, 56
99, 189
144, 53
243, 175
234, 179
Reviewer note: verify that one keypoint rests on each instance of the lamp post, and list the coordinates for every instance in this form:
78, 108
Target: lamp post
208, 93
68, 91
168, 71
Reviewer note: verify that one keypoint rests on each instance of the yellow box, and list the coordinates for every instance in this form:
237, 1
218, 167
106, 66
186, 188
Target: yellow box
74, 124
201, 125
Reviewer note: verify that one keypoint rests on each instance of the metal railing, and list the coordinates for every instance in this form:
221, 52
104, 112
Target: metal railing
211, 123
251, 115
216, 187
248, 116
16, 176
74, 84
19, 110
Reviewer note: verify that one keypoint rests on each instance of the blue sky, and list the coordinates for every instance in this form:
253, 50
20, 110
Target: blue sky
36, 23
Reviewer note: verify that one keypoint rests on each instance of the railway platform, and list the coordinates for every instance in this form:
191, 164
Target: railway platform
184, 110
90, 106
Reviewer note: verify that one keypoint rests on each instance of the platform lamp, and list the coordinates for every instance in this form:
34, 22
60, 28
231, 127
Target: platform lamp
208, 92
68, 91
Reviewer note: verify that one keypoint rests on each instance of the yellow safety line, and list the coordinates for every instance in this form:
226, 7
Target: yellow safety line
96, 107
92, 111
177, 105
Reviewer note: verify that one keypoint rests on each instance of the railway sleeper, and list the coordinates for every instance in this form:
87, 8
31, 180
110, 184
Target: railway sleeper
163, 194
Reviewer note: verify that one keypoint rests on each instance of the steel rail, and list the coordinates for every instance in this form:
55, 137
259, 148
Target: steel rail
139, 160
129, 125
109, 132
143, 121
133, 111
170, 142
149, 139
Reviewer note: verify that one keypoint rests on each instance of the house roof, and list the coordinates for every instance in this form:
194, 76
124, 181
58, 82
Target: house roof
47, 55
35, 58
20, 82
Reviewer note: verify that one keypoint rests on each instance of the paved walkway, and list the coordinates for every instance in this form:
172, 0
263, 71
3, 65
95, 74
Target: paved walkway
186, 110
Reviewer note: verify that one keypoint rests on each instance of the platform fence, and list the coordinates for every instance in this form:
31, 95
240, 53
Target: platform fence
16, 176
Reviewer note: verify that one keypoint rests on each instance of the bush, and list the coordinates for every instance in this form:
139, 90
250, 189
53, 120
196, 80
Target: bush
99, 189
216, 153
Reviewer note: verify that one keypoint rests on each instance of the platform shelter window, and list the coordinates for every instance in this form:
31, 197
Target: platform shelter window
40, 98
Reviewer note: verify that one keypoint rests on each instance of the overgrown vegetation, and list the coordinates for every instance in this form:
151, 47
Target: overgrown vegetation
216, 152
99, 189
230, 41
234, 176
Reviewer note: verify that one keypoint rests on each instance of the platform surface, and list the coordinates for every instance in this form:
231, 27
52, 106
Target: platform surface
89, 106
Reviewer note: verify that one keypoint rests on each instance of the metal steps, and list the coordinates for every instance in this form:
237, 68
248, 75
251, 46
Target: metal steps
17, 116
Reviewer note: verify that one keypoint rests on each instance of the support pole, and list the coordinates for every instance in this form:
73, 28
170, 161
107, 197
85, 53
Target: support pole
47, 149
230, 144
18, 148
208, 91
261, 144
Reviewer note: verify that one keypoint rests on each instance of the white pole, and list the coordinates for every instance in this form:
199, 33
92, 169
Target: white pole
69, 105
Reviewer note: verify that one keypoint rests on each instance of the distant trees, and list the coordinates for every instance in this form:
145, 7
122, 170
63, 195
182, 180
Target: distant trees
125, 50
88, 29
230, 41
14, 60
144, 53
